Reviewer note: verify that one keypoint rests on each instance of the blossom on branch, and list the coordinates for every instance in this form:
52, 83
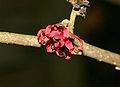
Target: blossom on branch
57, 38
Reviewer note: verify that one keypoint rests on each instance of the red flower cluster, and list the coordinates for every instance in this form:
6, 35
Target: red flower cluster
57, 38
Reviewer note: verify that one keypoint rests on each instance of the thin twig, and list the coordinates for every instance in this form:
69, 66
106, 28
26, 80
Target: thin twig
89, 50
72, 20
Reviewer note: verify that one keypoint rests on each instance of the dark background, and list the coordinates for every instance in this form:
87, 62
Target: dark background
32, 67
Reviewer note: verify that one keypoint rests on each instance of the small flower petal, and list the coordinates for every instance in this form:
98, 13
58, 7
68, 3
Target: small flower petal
70, 46
50, 47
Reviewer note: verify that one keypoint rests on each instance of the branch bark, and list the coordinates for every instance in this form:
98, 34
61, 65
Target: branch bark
89, 50
101, 54
20, 39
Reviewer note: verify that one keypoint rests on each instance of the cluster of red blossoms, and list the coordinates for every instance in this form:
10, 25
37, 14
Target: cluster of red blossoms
58, 39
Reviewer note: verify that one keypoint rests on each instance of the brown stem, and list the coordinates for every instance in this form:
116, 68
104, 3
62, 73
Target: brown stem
89, 50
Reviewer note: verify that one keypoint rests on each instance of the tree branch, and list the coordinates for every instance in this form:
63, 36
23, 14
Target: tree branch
89, 50
101, 55
20, 39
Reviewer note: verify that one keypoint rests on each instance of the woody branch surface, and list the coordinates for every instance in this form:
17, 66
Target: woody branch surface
19, 39
89, 50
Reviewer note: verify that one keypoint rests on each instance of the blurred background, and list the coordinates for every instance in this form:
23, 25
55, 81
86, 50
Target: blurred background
32, 67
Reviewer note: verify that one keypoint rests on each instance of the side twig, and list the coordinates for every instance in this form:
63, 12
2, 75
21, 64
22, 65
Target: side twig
89, 50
